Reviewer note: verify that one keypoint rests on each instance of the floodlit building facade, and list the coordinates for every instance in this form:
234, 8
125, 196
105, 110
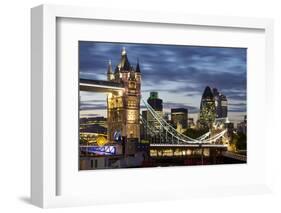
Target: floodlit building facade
123, 108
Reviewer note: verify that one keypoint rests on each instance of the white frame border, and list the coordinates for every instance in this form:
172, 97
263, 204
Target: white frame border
43, 88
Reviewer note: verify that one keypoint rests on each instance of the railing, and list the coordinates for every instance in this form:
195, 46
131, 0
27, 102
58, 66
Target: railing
100, 82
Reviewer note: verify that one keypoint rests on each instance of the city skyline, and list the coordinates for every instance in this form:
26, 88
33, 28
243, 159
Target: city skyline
178, 73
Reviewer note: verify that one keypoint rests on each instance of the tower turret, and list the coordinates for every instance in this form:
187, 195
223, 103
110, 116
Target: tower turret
138, 67
124, 108
110, 75
124, 64
138, 72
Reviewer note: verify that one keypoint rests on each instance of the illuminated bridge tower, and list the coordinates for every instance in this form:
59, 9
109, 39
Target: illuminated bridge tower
123, 108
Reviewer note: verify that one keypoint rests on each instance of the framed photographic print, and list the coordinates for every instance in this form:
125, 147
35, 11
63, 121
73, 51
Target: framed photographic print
124, 122
131, 106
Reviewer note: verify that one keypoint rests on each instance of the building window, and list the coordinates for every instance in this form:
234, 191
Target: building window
132, 85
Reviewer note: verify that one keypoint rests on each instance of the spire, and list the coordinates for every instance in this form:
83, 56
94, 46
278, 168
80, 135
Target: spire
138, 66
124, 64
123, 51
109, 67
110, 75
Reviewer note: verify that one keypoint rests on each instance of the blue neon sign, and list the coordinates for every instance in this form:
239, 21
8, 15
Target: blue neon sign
104, 150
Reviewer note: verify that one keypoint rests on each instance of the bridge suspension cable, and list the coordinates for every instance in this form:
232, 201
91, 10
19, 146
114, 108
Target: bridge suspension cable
171, 132
166, 125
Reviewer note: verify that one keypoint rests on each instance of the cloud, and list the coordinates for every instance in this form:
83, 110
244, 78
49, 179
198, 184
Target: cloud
169, 105
92, 106
91, 115
173, 69
240, 104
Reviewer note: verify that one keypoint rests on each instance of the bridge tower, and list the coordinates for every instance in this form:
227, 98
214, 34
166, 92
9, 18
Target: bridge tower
123, 108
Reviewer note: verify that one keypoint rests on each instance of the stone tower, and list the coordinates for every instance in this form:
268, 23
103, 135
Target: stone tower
123, 108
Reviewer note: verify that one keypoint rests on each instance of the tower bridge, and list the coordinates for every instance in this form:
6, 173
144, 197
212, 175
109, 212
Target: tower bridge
123, 88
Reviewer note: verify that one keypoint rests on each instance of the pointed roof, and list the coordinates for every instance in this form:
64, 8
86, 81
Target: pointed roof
109, 67
138, 67
207, 93
124, 64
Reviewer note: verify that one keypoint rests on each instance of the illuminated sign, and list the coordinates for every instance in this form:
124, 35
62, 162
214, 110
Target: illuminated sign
104, 150
117, 135
101, 141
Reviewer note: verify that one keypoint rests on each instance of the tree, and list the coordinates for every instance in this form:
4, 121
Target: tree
239, 140
195, 133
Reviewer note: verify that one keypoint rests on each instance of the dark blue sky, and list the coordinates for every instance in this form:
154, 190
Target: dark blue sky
178, 73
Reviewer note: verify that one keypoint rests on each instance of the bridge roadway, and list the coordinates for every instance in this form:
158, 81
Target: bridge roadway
108, 86
235, 156
197, 145
100, 86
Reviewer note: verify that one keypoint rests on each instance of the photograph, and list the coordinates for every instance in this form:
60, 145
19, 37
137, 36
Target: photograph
161, 105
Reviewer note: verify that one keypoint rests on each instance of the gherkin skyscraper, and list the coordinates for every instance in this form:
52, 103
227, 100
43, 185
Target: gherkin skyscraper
207, 109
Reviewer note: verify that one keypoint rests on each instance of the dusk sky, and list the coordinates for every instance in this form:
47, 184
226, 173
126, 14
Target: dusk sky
179, 74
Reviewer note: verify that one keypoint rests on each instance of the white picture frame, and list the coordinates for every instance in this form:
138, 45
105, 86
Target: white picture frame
44, 149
